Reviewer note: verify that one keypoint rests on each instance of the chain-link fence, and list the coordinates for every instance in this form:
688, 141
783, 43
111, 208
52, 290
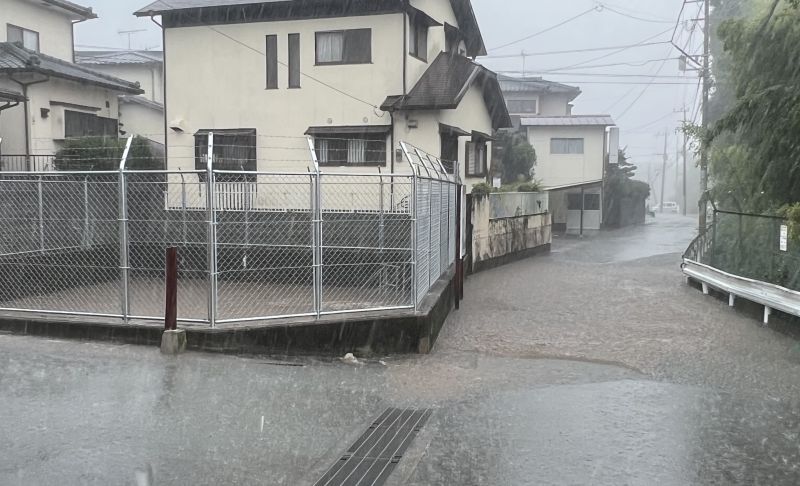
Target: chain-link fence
252, 245
754, 246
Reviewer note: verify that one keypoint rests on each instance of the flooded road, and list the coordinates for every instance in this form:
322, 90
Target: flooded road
593, 365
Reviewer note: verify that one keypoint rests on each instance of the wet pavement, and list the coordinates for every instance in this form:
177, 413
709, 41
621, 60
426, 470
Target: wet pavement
593, 365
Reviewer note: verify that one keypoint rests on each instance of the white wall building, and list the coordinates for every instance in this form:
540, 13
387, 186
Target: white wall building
571, 150
55, 98
359, 77
138, 115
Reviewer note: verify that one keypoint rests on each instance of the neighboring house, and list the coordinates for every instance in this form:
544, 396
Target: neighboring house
571, 150
358, 77
143, 114
57, 99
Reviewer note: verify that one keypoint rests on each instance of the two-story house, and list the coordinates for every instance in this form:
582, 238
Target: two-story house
55, 98
358, 77
139, 115
571, 150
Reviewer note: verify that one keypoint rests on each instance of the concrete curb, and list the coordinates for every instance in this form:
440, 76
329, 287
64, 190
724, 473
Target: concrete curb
363, 335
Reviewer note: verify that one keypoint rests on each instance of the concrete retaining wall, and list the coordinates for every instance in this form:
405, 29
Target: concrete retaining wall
500, 241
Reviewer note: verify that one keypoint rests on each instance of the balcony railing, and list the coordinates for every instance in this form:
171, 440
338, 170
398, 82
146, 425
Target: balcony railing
26, 163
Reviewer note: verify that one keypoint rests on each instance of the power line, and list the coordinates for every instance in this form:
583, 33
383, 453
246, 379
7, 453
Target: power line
644, 42
646, 125
572, 51
655, 21
647, 86
323, 83
600, 75
571, 19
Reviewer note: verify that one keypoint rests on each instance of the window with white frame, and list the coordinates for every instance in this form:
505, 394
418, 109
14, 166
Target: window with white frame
344, 47
523, 106
566, 146
28, 38
347, 150
477, 159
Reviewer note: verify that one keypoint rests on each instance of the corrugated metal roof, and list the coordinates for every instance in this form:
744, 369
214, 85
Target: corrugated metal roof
567, 121
141, 100
536, 85
107, 58
15, 58
80, 10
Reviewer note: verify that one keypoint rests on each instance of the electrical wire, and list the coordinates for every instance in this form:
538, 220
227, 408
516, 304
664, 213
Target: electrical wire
655, 21
306, 75
572, 51
553, 27
644, 42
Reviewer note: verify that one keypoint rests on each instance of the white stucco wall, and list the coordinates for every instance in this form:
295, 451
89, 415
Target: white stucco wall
45, 133
141, 120
553, 105
12, 124
149, 76
442, 12
53, 26
214, 82
566, 169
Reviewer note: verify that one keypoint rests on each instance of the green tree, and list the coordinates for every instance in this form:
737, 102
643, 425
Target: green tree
755, 108
621, 189
513, 157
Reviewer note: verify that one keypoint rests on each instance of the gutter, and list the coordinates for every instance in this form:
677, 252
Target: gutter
163, 87
72, 38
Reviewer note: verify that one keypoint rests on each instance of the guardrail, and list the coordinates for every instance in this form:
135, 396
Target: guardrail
769, 295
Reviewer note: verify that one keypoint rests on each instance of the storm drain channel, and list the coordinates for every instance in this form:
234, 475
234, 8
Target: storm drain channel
375, 454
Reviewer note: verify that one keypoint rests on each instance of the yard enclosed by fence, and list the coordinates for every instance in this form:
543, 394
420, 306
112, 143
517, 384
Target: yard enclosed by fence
252, 246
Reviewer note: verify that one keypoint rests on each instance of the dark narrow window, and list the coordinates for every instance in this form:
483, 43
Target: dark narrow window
419, 39
574, 202
344, 47
294, 60
591, 202
272, 62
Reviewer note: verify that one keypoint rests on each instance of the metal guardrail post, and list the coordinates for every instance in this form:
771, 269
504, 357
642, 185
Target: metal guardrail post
212, 233
124, 246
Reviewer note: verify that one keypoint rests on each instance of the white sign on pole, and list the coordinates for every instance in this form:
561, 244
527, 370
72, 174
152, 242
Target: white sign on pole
784, 238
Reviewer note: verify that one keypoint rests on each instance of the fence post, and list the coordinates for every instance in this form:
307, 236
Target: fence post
212, 233
381, 232
414, 218
183, 209
86, 239
124, 265
713, 237
316, 229
41, 215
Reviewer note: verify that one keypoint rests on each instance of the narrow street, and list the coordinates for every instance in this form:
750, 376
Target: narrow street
596, 364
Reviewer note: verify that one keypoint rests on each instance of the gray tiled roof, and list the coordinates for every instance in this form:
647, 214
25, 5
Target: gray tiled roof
444, 84
536, 85
14, 58
465, 15
141, 100
84, 12
570, 120
106, 58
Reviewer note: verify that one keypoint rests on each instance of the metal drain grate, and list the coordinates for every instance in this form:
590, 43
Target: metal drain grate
375, 454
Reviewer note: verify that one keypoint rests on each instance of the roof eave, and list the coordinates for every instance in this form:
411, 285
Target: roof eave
48, 72
86, 13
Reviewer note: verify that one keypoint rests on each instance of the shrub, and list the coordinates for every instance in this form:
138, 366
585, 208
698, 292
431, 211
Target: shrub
482, 189
105, 153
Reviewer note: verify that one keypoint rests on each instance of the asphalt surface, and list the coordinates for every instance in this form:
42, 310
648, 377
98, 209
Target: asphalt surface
593, 365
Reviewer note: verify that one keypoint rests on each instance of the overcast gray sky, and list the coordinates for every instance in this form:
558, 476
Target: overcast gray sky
641, 110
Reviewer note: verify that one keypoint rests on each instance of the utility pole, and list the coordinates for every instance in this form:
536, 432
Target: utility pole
706, 93
685, 153
664, 169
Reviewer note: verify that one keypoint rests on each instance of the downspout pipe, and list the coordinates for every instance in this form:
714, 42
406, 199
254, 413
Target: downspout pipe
26, 108
72, 35
163, 86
